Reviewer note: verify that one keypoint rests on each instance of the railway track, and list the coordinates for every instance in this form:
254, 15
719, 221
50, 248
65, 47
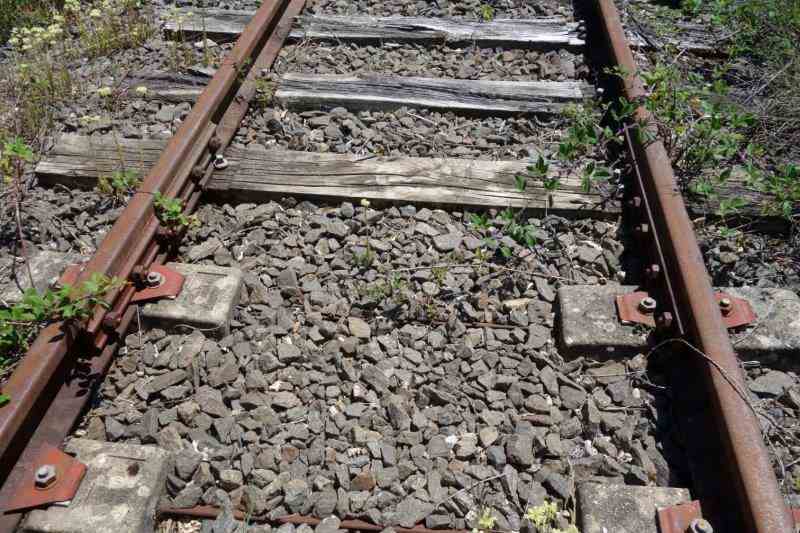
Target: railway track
215, 152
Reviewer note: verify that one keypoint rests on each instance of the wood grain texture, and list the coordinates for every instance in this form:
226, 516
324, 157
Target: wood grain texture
168, 86
541, 33
308, 91
544, 33
258, 174
695, 38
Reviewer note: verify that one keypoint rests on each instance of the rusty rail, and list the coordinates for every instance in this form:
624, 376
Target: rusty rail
53, 381
51, 385
758, 505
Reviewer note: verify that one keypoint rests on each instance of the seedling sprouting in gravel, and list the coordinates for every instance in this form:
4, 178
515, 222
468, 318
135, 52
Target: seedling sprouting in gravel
543, 518
120, 183
364, 259
487, 12
480, 221
395, 288
169, 212
439, 273
485, 522
265, 89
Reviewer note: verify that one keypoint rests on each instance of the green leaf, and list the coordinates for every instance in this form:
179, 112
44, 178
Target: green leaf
551, 184
16, 147
4, 399
521, 182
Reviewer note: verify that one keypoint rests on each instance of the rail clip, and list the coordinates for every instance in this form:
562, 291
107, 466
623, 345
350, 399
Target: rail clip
53, 478
688, 518
639, 307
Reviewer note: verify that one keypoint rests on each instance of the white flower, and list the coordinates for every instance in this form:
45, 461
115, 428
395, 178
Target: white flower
141, 90
364, 202
95, 13
104, 92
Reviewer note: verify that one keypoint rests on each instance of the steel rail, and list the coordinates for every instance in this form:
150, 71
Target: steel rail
49, 370
759, 505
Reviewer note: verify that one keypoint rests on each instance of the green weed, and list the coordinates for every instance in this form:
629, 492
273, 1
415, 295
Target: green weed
364, 259
20, 322
40, 63
169, 211
487, 12
120, 183
543, 518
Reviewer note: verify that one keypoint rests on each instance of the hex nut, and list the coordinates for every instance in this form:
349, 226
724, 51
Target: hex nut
700, 525
45, 476
647, 304
154, 278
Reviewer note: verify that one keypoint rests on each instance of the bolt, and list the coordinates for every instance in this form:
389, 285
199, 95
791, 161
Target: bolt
726, 305
653, 271
198, 171
215, 143
700, 525
45, 476
220, 162
643, 229
635, 202
154, 278
647, 305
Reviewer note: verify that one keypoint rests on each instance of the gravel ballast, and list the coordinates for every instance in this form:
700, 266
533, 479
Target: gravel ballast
471, 63
380, 369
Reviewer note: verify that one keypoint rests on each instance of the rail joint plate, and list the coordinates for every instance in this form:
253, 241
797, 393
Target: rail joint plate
54, 477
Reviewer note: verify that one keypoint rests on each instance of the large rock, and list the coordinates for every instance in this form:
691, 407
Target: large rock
519, 449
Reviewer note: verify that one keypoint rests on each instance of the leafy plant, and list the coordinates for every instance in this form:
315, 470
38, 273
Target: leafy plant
486, 520
20, 322
487, 12
480, 221
169, 212
593, 172
439, 274
543, 518
15, 13
120, 183
265, 89
17, 150
704, 132
364, 259
394, 287
41, 50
